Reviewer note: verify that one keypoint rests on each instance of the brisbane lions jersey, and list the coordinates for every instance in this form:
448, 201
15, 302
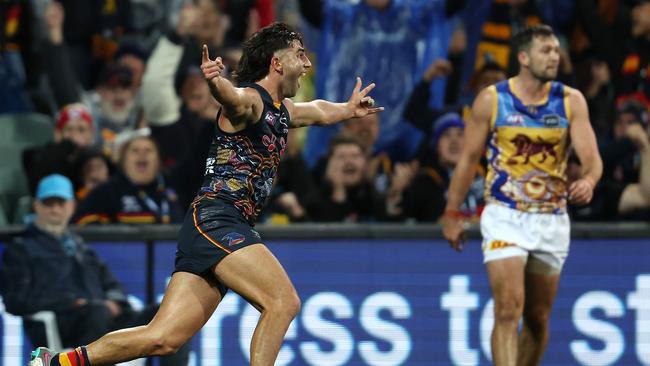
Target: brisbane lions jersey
527, 150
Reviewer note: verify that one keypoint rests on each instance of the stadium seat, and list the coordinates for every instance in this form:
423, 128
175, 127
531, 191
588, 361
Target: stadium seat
48, 318
18, 132
3, 216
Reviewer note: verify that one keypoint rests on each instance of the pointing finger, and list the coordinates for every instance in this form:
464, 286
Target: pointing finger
206, 53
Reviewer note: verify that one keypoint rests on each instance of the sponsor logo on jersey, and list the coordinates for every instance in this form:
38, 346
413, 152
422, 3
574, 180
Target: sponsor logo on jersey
551, 120
515, 118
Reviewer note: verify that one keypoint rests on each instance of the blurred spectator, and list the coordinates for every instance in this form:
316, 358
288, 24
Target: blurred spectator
345, 194
293, 185
92, 31
634, 78
133, 58
388, 178
287, 11
137, 194
620, 155
75, 124
112, 104
455, 54
16, 56
353, 35
73, 133
200, 23
619, 33
418, 112
366, 130
505, 18
49, 268
425, 198
594, 81
92, 168
249, 16
624, 191
176, 100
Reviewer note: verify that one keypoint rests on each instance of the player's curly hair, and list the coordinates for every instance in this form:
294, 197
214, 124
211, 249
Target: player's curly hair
259, 49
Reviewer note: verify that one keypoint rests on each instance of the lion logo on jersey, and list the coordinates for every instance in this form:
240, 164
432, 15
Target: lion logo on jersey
527, 148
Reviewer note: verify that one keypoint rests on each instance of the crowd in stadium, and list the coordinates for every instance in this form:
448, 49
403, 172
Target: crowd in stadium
131, 117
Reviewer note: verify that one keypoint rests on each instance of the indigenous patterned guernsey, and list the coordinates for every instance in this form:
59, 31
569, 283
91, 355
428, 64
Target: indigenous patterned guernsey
528, 150
241, 166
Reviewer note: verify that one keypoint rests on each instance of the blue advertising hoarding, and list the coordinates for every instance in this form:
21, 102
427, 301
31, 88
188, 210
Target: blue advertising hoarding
408, 302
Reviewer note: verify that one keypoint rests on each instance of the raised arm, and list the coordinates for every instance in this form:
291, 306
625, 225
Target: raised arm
584, 142
323, 112
636, 196
476, 132
240, 105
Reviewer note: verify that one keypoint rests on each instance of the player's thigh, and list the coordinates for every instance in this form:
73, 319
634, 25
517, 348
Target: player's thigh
188, 303
255, 274
541, 288
506, 278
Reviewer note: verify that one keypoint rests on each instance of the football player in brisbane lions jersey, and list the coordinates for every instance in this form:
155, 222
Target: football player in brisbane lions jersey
528, 123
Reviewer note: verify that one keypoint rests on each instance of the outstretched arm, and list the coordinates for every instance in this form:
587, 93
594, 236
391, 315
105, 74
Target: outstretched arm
240, 105
584, 142
476, 132
323, 112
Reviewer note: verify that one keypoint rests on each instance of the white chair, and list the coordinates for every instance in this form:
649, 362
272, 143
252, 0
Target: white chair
53, 337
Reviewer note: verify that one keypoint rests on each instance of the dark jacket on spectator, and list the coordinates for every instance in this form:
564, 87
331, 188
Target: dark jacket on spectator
38, 274
120, 201
363, 204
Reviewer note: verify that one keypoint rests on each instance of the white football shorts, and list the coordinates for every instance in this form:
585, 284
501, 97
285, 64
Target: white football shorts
509, 233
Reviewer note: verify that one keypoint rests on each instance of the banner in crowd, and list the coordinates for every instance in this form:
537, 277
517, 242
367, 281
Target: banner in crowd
407, 302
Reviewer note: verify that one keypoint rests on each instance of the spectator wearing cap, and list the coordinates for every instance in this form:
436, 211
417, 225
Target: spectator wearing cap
112, 104
131, 56
137, 193
73, 133
425, 198
48, 267
75, 123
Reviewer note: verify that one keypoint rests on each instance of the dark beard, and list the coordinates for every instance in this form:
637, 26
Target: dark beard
542, 78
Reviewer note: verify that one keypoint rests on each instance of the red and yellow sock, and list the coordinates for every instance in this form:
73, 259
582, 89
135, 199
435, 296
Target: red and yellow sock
77, 357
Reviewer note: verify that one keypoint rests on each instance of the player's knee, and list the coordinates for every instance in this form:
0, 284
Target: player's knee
287, 305
508, 311
293, 305
537, 321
